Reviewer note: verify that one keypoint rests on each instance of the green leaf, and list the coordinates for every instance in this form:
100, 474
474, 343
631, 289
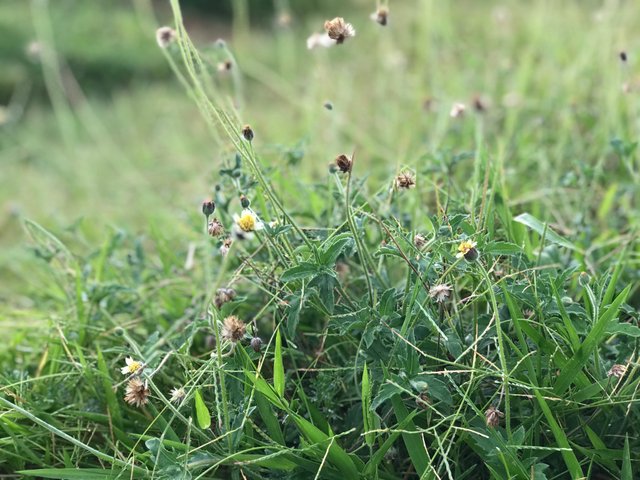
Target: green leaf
537, 226
278, 367
335, 247
366, 407
414, 443
502, 248
300, 272
72, 473
202, 412
574, 366
626, 473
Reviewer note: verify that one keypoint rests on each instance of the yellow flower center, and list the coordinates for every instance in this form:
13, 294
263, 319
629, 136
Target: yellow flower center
247, 222
465, 246
134, 367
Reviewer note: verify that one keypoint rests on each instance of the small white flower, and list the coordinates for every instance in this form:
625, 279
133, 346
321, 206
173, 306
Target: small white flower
320, 40
457, 111
465, 247
132, 366
246, 223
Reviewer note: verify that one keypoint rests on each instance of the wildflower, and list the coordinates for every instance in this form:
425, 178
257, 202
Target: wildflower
225, 247
247, 221
177, 395
405, 180
419, 241
233, 329
256, 344
165, 36
136, 393
492, 417
319, 40
457, 110
208, 207
339, 30
381, 16
440, 292
467, 249
215, 228
344, 163
617, 371
224, 295
132, 366
247, 133
225, 66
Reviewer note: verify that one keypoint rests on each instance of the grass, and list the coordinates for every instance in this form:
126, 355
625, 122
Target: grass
526, 368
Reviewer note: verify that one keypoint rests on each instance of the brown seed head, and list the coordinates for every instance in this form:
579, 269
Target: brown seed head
381, 16
224, 295
136, 393
405, 180
617, 371
215, 228
419, 241
339, 30
343, 163
233, 329
492, 417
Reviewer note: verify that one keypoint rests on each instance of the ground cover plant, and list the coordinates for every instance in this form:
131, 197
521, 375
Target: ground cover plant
402, 243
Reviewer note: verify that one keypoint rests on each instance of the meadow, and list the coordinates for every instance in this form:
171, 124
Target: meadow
408, 252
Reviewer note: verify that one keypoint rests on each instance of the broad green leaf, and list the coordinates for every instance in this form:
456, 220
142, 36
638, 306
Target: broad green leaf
537, 226
202, 412
300, 272
623, 329
414, 443
502, 248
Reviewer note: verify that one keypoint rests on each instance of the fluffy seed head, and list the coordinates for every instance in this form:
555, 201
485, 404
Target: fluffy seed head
419, 241
177, 395
165, 36
440, 292
492, 416
339, 30
225, 247
405, 180
136, 393
215, 228
457, 110
233, 329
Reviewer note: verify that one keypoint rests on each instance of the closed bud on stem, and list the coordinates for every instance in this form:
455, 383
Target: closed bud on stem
256, 343
208, 207
247, 133
244, 201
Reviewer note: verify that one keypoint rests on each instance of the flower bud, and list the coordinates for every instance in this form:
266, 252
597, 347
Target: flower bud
256, 343
584, 279
244, 201
208, 207
247, 133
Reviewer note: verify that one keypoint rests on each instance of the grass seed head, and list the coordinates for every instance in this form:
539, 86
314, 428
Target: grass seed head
136, 393
339, 30
165, 36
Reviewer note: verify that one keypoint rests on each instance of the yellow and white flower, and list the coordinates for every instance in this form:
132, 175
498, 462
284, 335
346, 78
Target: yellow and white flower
247, 222
132, 366
467, 250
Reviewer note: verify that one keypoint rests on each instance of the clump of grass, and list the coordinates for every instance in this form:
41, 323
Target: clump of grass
408, 333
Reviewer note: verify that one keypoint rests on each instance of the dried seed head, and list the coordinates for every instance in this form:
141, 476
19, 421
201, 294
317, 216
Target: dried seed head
617, 371
165, 36
215, 228
440, 292
343, 163
225, 247
381, 16
225, 66
256, 344
339, 30
208, 207
177, 395
419, 241
405, 180
233, 329
247, 133
492, 417
136, 393
457, 110
224, 295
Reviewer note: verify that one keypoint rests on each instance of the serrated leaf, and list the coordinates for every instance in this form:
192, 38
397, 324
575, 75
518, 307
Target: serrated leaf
300, 272
623, 329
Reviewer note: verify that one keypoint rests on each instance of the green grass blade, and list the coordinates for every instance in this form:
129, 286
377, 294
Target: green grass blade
278, 367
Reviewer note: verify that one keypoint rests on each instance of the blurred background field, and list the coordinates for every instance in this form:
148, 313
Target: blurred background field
97, 135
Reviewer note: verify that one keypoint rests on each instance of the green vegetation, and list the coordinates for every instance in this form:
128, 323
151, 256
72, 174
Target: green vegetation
403, 288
